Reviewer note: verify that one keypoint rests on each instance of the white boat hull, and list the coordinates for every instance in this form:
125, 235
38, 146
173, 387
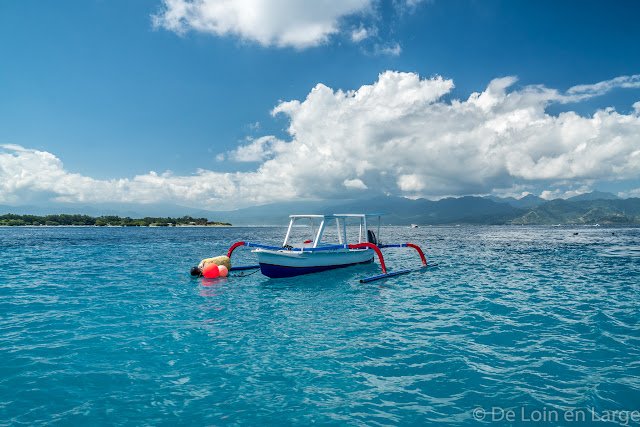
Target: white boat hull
288, 263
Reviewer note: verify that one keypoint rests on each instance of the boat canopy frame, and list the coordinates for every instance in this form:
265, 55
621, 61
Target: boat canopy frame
341, 227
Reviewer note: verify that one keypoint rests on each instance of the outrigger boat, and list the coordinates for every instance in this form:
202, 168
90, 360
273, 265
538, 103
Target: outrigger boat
315, 255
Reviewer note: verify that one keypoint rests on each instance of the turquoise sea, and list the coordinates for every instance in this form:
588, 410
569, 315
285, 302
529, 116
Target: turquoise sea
516, 326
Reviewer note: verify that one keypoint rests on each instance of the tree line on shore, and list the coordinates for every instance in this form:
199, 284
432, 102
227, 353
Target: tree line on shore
106, 220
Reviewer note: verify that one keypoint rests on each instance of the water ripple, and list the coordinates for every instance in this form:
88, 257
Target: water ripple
105, 326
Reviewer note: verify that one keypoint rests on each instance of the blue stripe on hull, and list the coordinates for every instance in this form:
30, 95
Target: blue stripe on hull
278, 271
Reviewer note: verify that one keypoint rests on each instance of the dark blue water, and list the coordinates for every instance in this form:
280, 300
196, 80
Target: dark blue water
103, 326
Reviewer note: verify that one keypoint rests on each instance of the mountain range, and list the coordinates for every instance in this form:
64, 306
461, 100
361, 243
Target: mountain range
590, 208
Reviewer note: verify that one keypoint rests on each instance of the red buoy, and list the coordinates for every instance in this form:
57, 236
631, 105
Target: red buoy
223, 271
210, 271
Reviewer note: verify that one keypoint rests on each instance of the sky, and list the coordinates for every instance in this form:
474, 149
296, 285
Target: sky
220, 104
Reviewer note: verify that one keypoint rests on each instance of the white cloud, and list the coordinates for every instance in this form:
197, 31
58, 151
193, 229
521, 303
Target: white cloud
278, 23
355, 184
257, 151
605, 86
396, 136
413, 183
392, 49
517, 191
360, 34
565, 194
28, 175
631, 193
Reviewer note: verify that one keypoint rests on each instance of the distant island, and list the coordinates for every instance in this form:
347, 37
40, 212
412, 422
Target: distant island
105, 221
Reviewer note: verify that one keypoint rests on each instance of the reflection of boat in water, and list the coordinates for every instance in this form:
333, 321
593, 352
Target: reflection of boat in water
414, 225
315, 255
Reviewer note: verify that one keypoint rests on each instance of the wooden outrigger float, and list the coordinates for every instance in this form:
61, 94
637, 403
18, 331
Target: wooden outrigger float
314, 255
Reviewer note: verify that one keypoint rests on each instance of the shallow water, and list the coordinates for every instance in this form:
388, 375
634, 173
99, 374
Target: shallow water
105, 326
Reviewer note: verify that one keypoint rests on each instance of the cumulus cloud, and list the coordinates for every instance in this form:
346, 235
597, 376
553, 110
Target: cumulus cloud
392, 49
355, 184
33, 175
256, 151
280, 23
399, 135
603, 87
497, 138
413, 183
630, 193
361, 34
564, 194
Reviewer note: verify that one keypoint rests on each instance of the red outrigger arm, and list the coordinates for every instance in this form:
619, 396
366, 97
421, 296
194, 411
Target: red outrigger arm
375, 248
417, 248
384, 274
232, 248
244, 267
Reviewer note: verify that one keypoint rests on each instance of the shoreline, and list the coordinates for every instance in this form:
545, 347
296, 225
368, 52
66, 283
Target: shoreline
116, 226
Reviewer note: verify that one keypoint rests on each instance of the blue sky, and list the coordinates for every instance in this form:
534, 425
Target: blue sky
153, 101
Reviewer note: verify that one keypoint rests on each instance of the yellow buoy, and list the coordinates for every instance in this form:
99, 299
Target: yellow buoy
219, 260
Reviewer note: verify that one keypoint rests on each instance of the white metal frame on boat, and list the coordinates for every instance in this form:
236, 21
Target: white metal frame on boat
341, 230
